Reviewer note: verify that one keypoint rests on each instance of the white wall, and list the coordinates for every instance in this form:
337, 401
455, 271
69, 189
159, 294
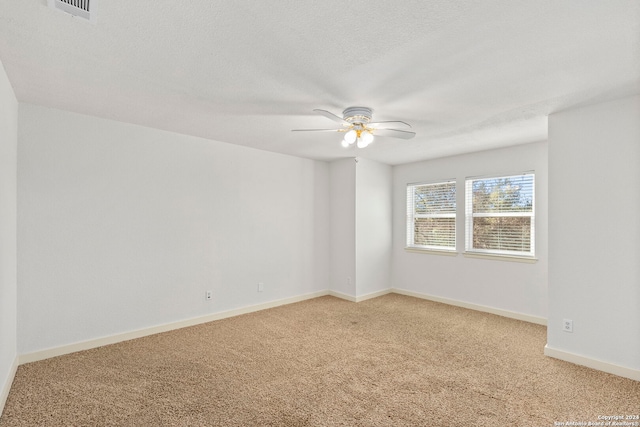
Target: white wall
343, 226
8, 251
124, 227
373, 226
360, 226
594, 229
321, 220
504, 285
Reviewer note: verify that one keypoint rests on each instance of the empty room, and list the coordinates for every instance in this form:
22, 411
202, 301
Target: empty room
303, 213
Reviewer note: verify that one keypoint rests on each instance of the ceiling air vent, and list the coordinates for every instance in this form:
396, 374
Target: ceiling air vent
85, 9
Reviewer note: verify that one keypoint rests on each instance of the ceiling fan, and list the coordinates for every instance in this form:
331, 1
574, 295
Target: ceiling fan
359, 129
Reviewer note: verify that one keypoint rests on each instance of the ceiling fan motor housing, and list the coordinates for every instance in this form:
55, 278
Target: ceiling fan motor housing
357, 115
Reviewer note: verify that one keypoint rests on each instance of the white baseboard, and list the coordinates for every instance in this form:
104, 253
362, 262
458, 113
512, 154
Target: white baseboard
86, 345
342, 296
6, 387
477, 307
359, 298
599, 365
373, 295
113, 339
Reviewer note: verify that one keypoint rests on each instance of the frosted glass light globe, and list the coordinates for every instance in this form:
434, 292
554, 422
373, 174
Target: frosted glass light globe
365, 139
350, 137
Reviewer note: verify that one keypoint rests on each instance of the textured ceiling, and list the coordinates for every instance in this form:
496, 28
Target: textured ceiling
467, 75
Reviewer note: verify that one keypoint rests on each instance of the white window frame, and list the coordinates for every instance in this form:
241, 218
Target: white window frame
411, 216
469, 215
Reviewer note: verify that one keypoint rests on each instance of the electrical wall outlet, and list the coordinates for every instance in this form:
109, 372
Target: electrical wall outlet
260, 287
567, 325
208, 295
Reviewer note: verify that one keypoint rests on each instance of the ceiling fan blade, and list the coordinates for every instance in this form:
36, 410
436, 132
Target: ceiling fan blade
386, 124
329, 115
395, 133
316, 130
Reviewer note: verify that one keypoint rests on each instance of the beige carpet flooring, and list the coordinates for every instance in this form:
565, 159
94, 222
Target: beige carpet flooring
389, 361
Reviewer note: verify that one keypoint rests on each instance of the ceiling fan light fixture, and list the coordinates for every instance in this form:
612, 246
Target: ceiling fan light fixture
366, 137
350, 137
358, 128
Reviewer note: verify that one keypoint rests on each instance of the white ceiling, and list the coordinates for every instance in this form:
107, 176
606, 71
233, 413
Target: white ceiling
468, 75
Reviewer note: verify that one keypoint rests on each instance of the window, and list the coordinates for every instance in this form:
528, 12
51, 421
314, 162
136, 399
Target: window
431, 215
500, 215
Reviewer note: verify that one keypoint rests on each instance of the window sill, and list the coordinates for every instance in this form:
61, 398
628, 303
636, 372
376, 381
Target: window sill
498, 257
444, 252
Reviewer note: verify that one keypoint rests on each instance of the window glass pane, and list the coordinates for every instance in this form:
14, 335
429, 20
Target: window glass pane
435, 232
509, 194
500, 215
431, 215
502, 233
435, 198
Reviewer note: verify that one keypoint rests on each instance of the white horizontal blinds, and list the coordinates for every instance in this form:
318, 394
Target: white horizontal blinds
431, 215
500, 215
